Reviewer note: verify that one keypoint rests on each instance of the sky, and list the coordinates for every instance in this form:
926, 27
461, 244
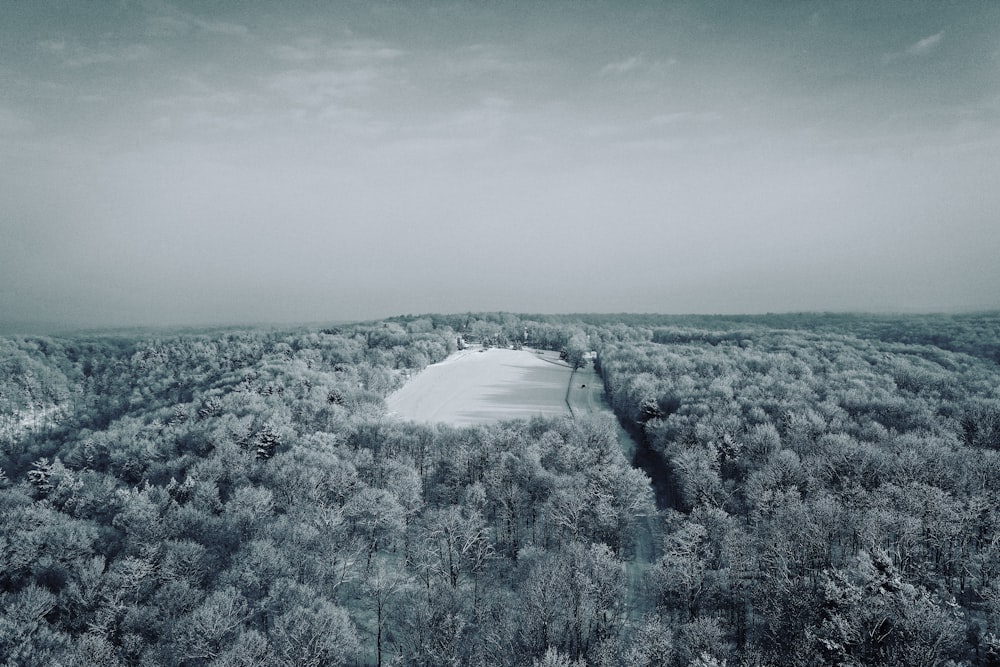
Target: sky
172, 162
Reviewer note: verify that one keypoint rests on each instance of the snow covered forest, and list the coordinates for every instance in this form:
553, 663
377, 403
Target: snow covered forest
813, 489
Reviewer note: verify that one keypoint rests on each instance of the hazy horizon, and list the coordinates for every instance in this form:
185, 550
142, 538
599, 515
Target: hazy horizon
212, 163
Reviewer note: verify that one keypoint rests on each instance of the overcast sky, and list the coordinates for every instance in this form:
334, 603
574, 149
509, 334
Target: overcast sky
174, 162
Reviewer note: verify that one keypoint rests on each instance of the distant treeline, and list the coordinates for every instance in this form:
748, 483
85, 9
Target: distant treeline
241, 498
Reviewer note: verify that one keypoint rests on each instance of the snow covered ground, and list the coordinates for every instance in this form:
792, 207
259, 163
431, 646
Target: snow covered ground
476, 386
19, 422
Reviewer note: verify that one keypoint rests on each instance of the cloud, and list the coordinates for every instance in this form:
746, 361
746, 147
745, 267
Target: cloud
316, 89
166, 19
299, 53
75, 53
918, 49
84, 57
366, 51
482, 120
632, 65
685, 118
218, 110
925, 45
52, 45
166, 26
13, 123
355, 51
484, 61
221, 27
622, 67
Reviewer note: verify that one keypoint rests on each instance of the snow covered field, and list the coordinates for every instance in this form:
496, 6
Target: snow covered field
476, 386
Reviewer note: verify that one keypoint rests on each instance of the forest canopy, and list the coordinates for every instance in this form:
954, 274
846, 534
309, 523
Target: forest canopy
806, 490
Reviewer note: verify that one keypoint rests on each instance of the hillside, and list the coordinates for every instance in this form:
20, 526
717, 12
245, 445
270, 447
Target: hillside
827, 489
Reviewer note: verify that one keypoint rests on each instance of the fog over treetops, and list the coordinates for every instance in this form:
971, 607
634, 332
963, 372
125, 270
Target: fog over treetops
212, 162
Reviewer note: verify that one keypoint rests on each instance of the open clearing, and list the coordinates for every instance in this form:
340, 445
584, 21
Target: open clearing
477, 386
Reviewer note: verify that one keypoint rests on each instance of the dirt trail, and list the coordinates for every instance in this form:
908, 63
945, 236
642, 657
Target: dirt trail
585, 395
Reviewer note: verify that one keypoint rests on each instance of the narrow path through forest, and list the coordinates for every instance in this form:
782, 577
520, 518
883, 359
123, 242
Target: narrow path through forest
585, 395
